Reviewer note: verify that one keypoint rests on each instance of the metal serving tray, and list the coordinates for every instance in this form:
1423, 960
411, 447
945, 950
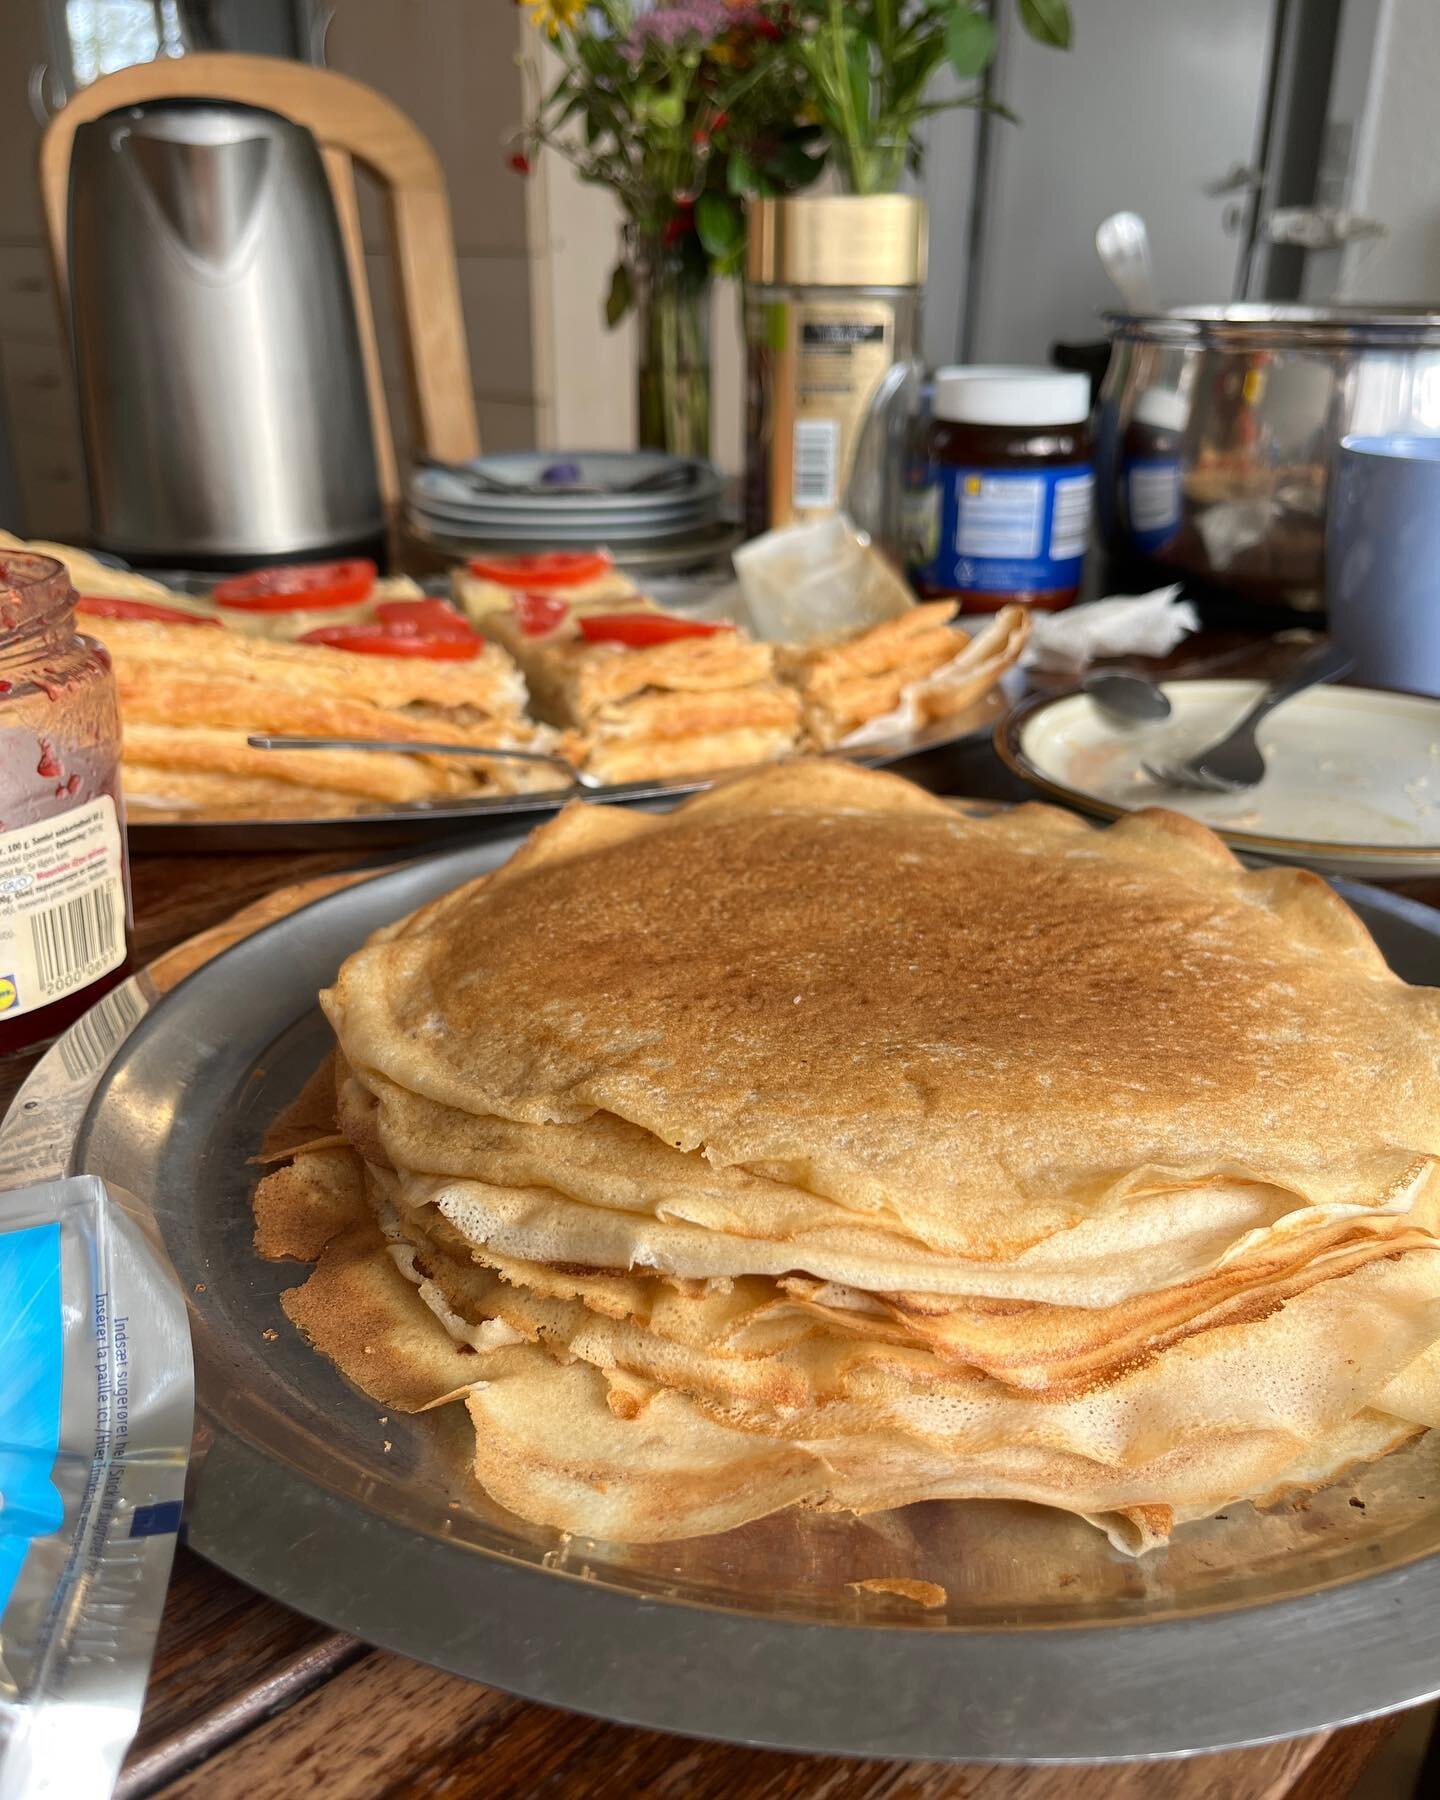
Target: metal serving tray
377, 826
1049, 1645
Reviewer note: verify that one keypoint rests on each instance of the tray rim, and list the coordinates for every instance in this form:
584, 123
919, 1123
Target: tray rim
1118, 1690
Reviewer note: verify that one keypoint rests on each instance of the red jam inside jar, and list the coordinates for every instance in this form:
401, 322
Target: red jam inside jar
64, 876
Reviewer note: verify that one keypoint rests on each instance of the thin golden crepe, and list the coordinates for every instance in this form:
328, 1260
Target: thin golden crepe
90, 576
813, 1144
901, 674
189, 700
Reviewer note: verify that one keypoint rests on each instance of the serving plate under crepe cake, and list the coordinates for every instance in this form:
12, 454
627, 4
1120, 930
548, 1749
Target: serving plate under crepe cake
1046, 1643
428, 822
1352, 783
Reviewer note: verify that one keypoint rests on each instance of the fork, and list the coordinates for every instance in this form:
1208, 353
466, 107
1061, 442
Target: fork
413, 747
1235, 763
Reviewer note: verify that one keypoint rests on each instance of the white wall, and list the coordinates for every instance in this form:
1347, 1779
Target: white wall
1397, 160
1155, 100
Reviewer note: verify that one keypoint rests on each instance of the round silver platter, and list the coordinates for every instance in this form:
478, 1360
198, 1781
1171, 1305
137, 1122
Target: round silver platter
428, 822
1049, 1644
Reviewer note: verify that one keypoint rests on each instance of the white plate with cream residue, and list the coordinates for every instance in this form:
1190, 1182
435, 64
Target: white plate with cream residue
1352, 779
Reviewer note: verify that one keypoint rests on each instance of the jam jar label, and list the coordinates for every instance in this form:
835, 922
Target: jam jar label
62, 906
1004, 531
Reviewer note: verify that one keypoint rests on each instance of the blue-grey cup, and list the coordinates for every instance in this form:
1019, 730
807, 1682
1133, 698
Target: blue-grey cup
1382, 560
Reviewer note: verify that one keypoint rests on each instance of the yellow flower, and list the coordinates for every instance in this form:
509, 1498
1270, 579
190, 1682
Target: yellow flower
553, 15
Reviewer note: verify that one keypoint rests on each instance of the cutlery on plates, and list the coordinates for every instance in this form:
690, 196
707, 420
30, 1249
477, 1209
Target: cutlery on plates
1132, 699
1235, 763
672, 478
411, 747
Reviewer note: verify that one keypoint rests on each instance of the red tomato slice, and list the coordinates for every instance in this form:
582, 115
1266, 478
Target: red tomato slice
113, 606
539, 614
552, 569
639, 630
375, 640
422, 618
298, 587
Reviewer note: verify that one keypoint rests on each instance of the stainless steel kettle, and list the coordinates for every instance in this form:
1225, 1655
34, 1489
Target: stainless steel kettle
221, 383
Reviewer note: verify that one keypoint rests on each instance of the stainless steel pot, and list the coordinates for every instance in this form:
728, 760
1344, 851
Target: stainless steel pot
1218, 426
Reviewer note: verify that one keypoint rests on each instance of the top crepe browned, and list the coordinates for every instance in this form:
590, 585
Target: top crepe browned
982, 1032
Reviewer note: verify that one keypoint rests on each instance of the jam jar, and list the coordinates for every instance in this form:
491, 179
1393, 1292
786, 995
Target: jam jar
1004, 513
64, 878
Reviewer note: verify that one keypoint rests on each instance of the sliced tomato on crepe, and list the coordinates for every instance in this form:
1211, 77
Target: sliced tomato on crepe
422, 618
641, 630
116, 606
376, 640
539, 614
298, 587
550, 569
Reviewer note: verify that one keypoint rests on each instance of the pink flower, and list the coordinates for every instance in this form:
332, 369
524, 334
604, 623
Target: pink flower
673, 21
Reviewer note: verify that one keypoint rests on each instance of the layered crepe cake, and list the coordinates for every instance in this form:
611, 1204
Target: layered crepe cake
652, 711
191, 698
814, 1145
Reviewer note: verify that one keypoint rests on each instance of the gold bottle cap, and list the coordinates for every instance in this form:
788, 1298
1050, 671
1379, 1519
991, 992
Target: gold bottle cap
837, 240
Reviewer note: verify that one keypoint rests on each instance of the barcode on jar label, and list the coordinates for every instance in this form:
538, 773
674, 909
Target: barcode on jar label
815, 474
94, 1038
62, 906
76, 939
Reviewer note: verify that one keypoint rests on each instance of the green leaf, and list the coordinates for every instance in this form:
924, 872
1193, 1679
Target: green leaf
719, 223
969, 41
741, 176
621, 296
1047, 21
858, 60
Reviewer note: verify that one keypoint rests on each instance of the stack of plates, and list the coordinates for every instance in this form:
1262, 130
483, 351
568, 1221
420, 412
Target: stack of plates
586, 497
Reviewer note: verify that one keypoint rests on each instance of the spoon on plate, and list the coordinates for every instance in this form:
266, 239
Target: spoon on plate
1236, 762
1128, 698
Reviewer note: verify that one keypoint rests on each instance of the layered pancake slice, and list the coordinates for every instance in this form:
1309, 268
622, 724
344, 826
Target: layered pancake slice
190, 699
901, 674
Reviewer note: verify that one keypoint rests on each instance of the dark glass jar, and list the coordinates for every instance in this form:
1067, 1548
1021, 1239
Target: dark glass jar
1009, 485
1150, 471
64, 877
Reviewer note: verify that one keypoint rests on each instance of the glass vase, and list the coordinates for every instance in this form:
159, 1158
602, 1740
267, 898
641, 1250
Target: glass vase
672, 307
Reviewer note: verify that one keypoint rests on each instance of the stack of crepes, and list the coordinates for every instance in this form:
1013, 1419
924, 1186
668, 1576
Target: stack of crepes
654, 706
191, 696
902, 674
816, 1145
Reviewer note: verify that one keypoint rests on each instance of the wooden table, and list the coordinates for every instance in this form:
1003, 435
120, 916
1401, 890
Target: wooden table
249, 1698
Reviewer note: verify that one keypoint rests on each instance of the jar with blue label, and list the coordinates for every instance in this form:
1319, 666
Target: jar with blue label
1004, 516
1150, 470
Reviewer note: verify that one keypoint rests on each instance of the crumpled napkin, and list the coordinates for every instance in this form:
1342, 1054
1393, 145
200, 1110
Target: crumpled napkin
1126, 625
